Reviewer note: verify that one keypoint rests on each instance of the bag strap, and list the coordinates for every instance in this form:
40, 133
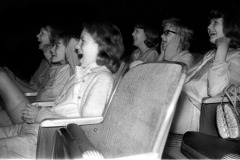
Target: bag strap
225, 93
234, 92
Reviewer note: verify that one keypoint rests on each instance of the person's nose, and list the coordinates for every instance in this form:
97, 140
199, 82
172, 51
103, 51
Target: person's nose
133, 33
78, 47
162, 36
38, 36
52, 51
209, 26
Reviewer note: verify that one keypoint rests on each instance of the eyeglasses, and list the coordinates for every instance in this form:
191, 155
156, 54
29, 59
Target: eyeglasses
166, 32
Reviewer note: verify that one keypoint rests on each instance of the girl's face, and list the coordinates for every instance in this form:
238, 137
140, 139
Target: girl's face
88, 48
215, 29
59, 52
168, 33
138, 37
43, 37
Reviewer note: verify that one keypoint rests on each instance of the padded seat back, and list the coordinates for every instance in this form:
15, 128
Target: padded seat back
141, 111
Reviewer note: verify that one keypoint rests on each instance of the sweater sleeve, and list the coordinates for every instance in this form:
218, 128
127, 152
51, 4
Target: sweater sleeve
47, 112
53, 88
188, 60
93, 101
97, 96
223, 73
152, 56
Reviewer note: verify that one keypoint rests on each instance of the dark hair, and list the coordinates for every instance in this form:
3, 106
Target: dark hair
109, 39
231, 23
65, 37
185, 33
54, 31
152, 34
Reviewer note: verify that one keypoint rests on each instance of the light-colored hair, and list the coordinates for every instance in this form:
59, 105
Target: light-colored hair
185, 33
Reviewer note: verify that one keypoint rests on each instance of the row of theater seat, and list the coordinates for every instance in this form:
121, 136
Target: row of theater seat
135, 123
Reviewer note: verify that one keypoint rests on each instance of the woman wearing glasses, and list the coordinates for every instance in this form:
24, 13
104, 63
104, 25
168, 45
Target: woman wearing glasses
146, 39
176, 40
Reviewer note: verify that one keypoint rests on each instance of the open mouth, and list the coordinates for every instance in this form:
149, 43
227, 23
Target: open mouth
212, 34
80, 55
163, 43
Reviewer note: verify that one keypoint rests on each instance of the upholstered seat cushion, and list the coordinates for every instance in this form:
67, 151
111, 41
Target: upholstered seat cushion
198, 145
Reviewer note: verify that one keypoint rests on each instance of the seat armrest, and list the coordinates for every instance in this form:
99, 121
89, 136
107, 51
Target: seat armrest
44, 104
31, 94
74, 133
214, 99
64, 122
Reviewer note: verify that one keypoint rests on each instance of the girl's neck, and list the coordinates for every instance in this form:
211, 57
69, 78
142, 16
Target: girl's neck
85, 64
143, 48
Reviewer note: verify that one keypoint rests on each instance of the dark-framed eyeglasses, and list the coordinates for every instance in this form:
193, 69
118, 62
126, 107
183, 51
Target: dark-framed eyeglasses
166, 32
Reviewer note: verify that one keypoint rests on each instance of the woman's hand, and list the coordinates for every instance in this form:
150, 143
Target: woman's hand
222, 48
222, 42
160, 57
30, 113
172, 48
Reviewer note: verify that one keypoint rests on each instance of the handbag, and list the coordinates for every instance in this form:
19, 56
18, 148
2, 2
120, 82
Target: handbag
228, 114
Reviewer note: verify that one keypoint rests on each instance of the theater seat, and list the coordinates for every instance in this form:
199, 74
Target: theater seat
137, 121
48, 126
197, 145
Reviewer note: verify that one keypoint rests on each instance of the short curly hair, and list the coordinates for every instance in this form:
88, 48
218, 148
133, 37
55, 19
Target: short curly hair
185, 33
109, 39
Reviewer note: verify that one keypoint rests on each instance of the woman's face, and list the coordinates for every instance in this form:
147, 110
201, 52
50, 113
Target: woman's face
168, 33
43, 37
138, 37
215, 29
59, 52
88, 48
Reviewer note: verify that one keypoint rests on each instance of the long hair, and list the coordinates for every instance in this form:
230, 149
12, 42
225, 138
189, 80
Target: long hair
109, 39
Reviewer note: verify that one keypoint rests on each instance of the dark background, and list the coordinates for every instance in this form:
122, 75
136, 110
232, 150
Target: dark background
21, 21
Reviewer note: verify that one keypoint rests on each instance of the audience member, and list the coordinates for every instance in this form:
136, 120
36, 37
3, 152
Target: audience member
146, 39
217, 69
176, 41
84, 95
14, 100
38, 80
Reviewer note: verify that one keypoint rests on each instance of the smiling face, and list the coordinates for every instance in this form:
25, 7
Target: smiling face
88, 48
215, 29
168, 33
59, 52
43, 37
138, 37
